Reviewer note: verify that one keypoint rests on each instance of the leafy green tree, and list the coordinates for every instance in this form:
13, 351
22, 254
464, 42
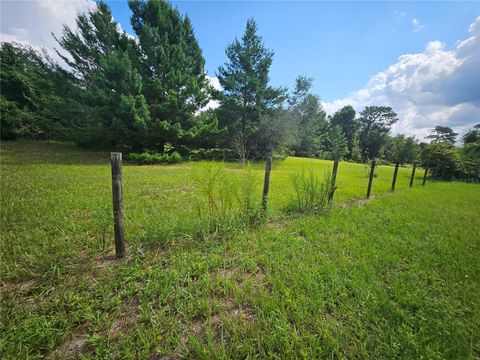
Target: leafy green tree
401, 149
345, 118
309, 119
472, 136
375, 123
442, 134
442, 158
248, 100
470, 161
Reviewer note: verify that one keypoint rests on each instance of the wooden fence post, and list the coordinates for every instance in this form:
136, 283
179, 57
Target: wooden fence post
395, 173
266, 185
370, 180
334, 179
116, 160
413, 174
425, 176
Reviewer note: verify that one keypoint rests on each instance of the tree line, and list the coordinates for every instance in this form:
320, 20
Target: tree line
148, 93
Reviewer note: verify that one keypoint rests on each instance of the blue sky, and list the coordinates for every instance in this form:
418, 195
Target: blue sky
340, 44
420, 58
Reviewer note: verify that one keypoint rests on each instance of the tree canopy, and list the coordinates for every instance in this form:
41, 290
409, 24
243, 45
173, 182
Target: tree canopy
442, 134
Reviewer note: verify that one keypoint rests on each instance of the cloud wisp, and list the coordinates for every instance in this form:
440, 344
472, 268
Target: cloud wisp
417, 25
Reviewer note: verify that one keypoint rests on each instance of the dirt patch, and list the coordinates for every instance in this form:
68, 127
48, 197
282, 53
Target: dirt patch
21, 287
129, 315
110, 258
244, 278
276, 224
357, 202
75, 344
234, 313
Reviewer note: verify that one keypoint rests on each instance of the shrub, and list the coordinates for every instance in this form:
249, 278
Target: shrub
150, 158
174, 158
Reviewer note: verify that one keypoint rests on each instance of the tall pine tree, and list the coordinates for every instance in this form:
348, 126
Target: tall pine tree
172, 68
113, 109
248, 101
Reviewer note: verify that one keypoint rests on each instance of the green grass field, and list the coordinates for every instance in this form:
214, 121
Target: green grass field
396, 277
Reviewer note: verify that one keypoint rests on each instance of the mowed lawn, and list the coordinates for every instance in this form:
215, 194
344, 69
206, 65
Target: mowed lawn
396, 277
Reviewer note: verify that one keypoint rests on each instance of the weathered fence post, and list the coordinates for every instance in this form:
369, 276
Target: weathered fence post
413, 174
395, 173
334, 179
266, 184
425, 176
116, 159
370, 180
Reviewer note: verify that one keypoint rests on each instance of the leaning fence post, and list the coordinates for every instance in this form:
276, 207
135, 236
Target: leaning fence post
394, 181
266, 184
334, 178
370, 180
116, 160
413, 174
425, 176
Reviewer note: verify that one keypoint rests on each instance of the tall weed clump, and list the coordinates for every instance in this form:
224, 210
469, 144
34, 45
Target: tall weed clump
222, 203
248, 196
310, 193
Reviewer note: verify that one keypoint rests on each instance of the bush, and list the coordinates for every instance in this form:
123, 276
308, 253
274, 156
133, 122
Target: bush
150, 158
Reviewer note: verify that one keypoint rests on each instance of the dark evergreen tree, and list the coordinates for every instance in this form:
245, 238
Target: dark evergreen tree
172, 68
34, 95
338, 144
113, 112
345, 118
248, 100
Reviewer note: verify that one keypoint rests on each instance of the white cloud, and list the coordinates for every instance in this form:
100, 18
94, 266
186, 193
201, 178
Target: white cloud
417, 26
400, 12
215, 83
434, 87
33, 22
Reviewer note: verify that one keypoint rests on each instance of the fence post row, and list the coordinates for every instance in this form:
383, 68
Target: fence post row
266, 184
395, 173
413, 174
334, 179
117, 195
425, 176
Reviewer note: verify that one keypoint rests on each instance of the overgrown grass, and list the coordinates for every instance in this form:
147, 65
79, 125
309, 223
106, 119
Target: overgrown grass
310, 194
396, 277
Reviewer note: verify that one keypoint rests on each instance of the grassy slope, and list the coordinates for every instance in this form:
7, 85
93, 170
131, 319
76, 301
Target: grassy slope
395, 278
